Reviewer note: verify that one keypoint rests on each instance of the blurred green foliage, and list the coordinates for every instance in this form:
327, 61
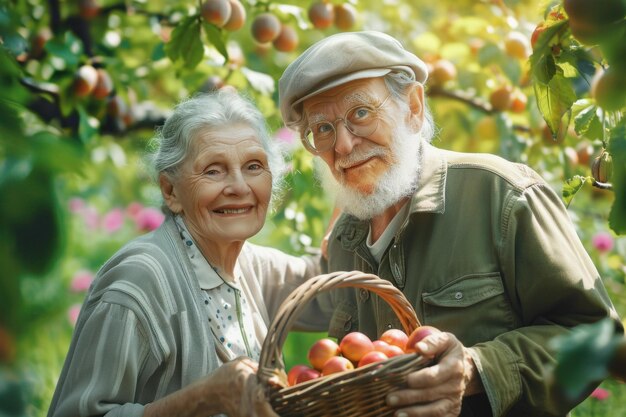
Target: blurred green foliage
72, 178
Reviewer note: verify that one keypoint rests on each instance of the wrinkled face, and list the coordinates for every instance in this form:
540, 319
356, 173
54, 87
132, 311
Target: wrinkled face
357, 162
224, 186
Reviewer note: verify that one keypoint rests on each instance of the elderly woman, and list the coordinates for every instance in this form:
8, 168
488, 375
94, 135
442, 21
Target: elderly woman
169, 319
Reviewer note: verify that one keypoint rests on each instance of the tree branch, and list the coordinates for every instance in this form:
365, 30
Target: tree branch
471, 101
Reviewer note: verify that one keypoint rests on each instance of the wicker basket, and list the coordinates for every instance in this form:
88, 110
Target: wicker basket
359, 392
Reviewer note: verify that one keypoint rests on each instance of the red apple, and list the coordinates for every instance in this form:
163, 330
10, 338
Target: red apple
336, 364
294, 372
321, 351
307, 375
418, 334
395, 337
354, 345
371, 357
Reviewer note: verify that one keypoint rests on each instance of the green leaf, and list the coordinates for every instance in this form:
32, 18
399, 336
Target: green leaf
573, 186
617, 149
489, 54
568, 63
542, 45
583, 119
544, 70
554, 100
69, 49
583, 356
216, 38
185, 42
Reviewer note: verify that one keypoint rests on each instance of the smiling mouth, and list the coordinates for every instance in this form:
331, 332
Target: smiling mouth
233, 210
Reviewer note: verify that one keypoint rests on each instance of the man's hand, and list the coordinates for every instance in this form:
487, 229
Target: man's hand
438, 390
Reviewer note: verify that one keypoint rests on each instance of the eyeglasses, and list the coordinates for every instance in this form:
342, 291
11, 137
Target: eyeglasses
360, 120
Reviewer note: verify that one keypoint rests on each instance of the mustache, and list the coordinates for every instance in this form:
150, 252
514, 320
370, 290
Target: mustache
358, 156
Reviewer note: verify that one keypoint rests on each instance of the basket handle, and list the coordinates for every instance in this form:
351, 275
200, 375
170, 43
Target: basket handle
271, 352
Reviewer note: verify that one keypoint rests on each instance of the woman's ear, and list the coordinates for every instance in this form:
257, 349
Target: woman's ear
416, 105
168, 191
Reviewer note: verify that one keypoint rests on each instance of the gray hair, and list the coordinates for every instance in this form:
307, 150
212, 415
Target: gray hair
211, 111
398, 83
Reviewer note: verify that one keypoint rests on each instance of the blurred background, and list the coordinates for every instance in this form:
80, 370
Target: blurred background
84, 84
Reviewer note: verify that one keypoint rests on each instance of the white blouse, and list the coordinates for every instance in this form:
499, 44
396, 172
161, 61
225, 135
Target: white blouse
230, 317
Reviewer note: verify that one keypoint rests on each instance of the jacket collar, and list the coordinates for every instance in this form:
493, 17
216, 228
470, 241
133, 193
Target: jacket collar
431, 189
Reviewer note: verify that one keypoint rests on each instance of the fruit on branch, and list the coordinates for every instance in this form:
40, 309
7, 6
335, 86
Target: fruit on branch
287, 40
355, 345
321, 14
417, 335
104, 85
85, 80
602, 167
608, 88
517, 45
237, 16
321, 351
88, 9
518, 101
501, 98
345, 16
38, 42
337, 364
442, 72
265, 27
539, 29
216, 12
584, 150
592, 22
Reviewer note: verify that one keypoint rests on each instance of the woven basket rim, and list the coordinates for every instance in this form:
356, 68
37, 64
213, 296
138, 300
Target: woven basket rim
271, 363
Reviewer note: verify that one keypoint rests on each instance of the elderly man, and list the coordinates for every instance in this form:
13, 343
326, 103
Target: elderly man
482, 247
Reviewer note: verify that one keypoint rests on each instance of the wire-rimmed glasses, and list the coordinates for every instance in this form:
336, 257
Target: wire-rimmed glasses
360, 120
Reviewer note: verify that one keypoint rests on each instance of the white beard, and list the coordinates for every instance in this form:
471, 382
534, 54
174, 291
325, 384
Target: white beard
399, 181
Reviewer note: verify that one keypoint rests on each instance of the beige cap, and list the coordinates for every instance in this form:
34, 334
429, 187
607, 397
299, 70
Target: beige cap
341, 58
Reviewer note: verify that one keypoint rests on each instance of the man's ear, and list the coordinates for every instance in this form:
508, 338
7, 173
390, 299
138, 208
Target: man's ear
168, 192
416, 105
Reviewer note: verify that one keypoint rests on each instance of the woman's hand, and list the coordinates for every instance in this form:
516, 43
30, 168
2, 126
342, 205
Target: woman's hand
438, 390
242, 395
232, 389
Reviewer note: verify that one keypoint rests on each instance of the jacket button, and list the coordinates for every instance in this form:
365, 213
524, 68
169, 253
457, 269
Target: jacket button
389, 326
364, 294
458, 295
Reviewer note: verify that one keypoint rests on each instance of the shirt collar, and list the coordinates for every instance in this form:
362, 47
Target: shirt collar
207, 277
431, 190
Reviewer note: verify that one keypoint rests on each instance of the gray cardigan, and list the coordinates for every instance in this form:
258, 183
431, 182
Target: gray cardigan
143, 330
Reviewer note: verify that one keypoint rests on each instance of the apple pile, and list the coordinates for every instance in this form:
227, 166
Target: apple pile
355, 350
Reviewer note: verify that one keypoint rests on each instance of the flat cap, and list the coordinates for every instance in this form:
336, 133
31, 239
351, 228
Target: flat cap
338, 59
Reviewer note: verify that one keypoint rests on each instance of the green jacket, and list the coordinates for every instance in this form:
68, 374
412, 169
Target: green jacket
489, 254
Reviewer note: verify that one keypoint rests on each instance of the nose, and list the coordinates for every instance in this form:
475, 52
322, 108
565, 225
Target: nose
346, 140
236, 184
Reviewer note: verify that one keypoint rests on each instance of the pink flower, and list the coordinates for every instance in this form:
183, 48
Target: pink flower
600, 394
602, 241
149, 218
72, 314
134, 208
285, 135
76, 204
81, 281
91, 217
113, 220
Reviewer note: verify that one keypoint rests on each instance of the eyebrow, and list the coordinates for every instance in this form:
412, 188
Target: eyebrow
352, 99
